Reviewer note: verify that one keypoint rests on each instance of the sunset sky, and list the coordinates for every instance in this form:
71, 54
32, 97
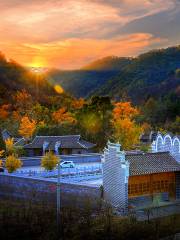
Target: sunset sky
68, 34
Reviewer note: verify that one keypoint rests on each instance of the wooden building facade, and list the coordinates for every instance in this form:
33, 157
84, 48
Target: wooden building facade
154, 174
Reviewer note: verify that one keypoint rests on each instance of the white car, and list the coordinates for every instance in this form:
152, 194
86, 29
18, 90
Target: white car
67, 164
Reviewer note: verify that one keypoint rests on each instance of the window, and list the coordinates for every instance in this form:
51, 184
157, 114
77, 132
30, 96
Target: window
138, 189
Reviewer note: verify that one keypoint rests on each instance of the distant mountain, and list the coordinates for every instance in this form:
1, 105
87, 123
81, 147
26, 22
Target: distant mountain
14, 77
150, 74
85, 81
111, 63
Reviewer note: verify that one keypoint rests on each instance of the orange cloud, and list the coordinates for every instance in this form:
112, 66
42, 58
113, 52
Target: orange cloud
71, 33
74, 53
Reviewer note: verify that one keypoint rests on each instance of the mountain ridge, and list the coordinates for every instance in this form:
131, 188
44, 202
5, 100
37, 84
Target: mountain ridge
150, 74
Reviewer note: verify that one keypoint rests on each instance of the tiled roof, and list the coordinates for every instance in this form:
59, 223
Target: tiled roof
141, 164
69, 141
19, 142
6, 134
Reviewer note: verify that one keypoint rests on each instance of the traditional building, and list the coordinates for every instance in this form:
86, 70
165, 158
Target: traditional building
153, 175
70, 144
18, 141
146, 176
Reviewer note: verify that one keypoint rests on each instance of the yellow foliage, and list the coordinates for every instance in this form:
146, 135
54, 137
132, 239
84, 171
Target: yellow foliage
1, 153
63, 116
124, 110
23, 100
91, 123
78, 104
27, 127
9, 145
4, 111
49, 161
127, 133
12, 163
16, 116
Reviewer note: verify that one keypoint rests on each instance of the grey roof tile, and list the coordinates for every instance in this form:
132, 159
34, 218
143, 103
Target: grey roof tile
141, 164
69, 141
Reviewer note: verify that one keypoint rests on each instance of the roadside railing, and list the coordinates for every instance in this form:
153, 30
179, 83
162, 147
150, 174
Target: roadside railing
65, 173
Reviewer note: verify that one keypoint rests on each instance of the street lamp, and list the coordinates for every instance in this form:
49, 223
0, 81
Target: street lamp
58, 199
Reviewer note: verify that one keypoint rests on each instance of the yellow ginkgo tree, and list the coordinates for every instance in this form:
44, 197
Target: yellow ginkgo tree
9, 142
1, 155
49, 161
12, 163
27, 127
126, 130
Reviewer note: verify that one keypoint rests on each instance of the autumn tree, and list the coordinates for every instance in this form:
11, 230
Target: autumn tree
63, 116
4, 111
40, 113
12, 163
49, 161
9, 145
91, 123
78, 103
1, 155
27, 127
126, 131
23, 102
124, 110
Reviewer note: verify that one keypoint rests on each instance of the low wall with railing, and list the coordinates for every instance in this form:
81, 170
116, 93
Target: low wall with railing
41, 189
76, 158
65, 172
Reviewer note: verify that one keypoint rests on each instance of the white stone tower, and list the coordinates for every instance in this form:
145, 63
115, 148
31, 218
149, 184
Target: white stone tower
115, 177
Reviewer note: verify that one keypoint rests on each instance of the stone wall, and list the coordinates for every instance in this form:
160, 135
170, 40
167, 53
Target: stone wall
34, 189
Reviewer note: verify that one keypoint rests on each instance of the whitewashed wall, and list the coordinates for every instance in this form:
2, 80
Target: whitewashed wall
115, 177
167, 143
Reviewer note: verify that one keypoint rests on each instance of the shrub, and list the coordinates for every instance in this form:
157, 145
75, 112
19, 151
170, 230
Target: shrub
49, 161
12, 163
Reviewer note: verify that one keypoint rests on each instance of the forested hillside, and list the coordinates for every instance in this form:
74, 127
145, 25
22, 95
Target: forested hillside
151, 81
14, 77
84, 82
155, 73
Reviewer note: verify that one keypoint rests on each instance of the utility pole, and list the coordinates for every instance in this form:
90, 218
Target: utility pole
58, 200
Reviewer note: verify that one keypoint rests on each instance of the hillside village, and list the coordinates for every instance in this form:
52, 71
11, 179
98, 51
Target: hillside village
140, 177
118, 151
